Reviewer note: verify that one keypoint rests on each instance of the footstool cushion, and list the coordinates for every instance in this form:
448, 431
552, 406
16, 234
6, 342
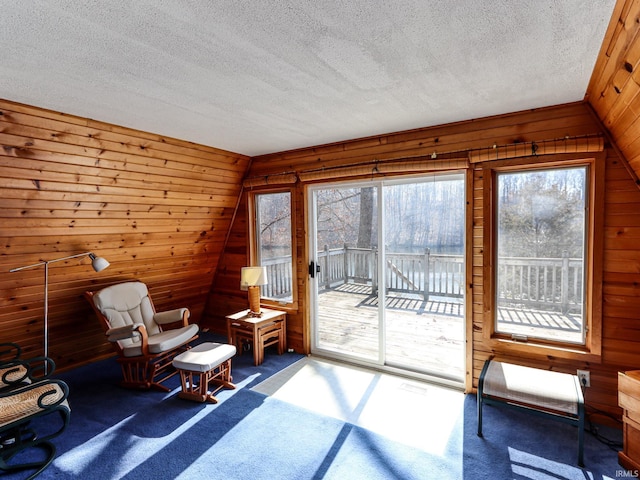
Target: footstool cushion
204, 357
201, 365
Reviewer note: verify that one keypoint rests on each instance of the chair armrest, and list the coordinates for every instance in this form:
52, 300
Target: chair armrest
122, 333
172, 316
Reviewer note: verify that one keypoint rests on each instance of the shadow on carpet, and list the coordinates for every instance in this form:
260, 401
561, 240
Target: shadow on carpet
116, 433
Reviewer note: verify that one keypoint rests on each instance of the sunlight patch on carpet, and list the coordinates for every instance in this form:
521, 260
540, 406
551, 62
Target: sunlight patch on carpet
415, 413
526, 465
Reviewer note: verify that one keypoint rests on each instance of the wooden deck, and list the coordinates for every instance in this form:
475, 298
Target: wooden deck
423, 336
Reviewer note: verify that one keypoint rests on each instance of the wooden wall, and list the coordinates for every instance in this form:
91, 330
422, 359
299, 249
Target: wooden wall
157, 208
160, 210
621, 324
614, 90
226, 296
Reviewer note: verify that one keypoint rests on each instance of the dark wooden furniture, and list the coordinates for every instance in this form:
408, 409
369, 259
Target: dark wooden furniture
629, 400
260, 332
203, 366
146, 341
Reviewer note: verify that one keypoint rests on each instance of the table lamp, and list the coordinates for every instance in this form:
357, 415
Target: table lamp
251, 278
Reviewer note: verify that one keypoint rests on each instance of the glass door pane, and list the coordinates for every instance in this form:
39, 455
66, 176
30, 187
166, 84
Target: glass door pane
400, 305
424, 225
346, 314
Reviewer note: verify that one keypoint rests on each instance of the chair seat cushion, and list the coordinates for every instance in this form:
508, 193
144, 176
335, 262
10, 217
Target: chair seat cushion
23, 402
164, 341
204, 357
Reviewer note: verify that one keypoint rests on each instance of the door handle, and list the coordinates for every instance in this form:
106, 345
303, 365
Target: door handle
314, 269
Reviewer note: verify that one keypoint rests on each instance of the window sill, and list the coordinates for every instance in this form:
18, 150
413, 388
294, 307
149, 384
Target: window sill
532, 348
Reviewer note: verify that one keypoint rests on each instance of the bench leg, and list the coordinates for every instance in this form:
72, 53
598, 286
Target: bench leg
479, 414
480, 392
581, 435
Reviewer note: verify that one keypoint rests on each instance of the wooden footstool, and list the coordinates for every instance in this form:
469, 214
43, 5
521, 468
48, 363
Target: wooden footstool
202, 365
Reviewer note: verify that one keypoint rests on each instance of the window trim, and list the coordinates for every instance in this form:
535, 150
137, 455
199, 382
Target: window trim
591, 351
253, 248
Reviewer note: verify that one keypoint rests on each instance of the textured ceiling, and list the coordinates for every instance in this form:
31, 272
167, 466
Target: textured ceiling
264, 76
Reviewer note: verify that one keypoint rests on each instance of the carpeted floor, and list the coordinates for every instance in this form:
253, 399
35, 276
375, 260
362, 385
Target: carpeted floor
314, 420
395, 407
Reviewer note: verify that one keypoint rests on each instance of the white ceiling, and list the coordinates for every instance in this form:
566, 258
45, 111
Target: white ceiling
260, 76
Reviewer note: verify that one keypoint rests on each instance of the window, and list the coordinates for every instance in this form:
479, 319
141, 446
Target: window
544, 277
273, 244
541, 225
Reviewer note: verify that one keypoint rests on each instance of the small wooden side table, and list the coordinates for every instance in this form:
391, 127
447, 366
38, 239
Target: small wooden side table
268, 329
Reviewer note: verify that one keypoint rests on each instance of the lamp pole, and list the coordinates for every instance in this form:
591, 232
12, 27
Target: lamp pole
98, 264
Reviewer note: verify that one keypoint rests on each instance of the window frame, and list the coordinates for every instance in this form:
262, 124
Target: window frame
253, 244
591, 350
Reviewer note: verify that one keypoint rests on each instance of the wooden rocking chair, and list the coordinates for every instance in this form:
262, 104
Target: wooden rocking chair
146, 341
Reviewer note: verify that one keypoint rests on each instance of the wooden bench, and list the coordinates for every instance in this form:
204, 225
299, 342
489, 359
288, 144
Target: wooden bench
542, 392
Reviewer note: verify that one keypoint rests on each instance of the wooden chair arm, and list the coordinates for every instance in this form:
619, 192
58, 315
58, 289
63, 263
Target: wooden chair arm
124, 332
130, 331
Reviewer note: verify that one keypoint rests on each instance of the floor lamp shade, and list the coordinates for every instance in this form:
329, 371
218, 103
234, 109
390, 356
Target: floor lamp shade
252, 278
98, 264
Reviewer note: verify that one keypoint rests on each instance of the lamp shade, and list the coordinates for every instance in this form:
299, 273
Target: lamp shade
253, 276
98, 263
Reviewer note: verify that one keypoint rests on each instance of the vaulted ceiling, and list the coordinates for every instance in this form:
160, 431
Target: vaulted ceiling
614, 90
259, 77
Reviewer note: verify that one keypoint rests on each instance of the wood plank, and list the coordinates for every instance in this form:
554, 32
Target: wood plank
158, 209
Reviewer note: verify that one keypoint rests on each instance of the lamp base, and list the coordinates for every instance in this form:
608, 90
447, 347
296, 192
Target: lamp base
254, 302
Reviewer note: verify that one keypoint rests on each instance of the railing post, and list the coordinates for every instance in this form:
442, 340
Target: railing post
427, 253
564, 284
373, 267
345, 260
325, 271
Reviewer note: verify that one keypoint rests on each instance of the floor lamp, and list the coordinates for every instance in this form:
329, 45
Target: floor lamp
98, 264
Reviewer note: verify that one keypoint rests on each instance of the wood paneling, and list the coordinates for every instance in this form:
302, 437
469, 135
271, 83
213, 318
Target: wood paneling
621, 327
161, 211
615, 82
157, 208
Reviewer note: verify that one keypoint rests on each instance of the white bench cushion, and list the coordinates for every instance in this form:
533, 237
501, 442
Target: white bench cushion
533, 386
204, 357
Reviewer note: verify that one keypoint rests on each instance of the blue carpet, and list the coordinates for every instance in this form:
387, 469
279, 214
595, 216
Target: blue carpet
117, 433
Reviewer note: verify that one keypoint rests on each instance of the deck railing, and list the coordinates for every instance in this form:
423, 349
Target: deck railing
541, 282
554, 283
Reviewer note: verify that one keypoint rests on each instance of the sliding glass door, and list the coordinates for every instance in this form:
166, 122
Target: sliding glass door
388, 273
346, 271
